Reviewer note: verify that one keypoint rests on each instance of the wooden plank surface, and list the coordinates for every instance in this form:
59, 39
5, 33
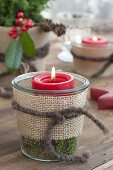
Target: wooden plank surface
92, 138
108, 165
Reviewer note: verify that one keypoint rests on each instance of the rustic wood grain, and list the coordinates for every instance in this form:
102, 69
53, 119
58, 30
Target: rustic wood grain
107, 166
92, 138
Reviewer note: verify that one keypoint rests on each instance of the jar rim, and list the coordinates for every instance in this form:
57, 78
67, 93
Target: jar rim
16, 85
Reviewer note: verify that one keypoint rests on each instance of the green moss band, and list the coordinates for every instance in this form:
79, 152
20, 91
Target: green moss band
38, 149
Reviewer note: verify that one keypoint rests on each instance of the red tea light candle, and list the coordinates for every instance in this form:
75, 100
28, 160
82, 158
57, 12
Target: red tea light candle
104, 97
95, 41
53, 81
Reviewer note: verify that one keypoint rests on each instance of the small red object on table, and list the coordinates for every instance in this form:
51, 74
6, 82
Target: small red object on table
104, 97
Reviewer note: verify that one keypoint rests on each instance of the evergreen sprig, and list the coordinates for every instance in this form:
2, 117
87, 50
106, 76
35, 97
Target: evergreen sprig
31, 8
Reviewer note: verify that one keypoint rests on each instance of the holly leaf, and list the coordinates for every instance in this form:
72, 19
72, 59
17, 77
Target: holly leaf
13, 55
28, 44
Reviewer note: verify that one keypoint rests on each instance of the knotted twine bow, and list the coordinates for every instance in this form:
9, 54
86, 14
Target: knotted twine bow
96, 59
58, 118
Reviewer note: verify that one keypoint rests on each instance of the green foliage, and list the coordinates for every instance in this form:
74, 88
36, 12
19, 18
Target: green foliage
13, 55
34, 146
28, 44
31, 9
38, 149
67, 146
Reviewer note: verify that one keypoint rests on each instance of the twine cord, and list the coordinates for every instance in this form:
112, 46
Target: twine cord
109, 61
61, 157
58, 118
102, 70
5, 73
6, 92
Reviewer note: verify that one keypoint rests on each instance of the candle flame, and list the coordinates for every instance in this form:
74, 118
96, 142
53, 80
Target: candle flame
53, 75
94, 38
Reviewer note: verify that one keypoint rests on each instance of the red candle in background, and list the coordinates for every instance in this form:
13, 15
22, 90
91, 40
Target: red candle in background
104, 97
95, 41
53, 81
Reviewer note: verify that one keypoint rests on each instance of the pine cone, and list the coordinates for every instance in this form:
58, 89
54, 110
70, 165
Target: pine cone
59, 29
47, 25
24, 68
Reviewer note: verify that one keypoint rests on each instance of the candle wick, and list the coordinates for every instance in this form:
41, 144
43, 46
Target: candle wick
53, 79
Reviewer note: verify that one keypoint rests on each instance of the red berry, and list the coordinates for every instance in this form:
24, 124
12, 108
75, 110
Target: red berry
29, 23
10, 33
24, 28
20, 14
14, 29
14, 36
17, 21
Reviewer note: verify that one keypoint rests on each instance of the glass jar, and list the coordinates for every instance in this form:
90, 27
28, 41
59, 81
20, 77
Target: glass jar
32, 128
87, 67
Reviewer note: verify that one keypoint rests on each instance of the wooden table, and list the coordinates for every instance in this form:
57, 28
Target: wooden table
92, 138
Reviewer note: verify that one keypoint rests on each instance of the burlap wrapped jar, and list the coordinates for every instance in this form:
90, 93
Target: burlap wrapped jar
32, 128
87, 67
40, 39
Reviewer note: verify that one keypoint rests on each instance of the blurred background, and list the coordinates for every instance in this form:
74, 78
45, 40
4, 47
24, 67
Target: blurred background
101, 9
93, 14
